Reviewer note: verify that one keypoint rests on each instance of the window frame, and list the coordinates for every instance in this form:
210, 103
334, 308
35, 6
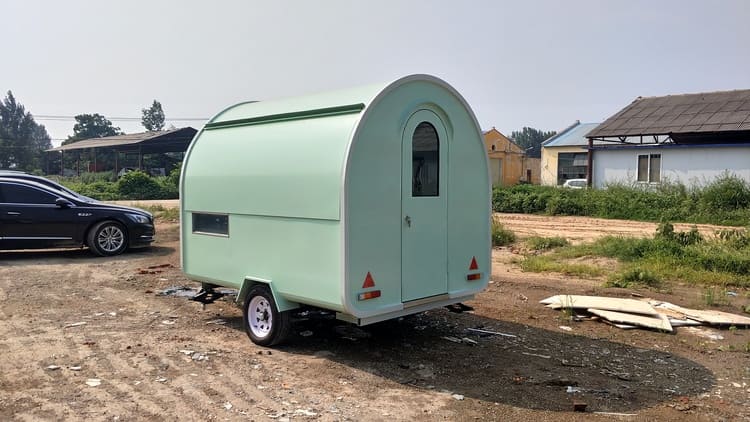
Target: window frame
422, 193
30, 188
649, 170
202, 230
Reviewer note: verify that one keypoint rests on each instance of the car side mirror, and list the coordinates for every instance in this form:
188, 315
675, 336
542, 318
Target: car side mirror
63, 203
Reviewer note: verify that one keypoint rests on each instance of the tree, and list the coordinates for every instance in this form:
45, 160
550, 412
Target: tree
22, 140
531, 139
153, 117
92, 126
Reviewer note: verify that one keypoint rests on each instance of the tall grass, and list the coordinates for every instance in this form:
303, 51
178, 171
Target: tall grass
669, 255
724, 201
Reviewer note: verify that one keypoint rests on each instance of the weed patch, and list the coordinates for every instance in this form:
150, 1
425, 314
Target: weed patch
539, 243
500, 235
635, 276
541, 264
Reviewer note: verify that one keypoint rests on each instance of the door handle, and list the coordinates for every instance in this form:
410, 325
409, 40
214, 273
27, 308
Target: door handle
13, 213
407, 220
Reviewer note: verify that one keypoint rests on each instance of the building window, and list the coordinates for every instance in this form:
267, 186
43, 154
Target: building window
493, 147
425, 161
571, 166
211, 224
649, 168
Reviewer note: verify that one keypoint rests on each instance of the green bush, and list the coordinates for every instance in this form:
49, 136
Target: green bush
725, 201
727, 193
139, 185
103, 191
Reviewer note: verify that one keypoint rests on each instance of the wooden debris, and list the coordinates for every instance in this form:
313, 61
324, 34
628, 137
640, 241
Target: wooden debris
536, 355
658, 322
600, 302
707, 316
495, 333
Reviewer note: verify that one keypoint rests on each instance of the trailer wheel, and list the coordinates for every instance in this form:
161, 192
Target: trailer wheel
264, 324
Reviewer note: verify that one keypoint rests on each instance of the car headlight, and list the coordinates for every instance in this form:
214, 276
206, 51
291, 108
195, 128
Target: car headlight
139, 218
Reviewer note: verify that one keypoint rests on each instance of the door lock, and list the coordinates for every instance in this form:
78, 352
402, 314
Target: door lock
407, 220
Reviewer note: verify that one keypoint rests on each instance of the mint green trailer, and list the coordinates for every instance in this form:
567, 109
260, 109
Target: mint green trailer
371, 202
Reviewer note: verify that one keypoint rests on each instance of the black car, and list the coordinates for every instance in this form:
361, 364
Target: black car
34, 215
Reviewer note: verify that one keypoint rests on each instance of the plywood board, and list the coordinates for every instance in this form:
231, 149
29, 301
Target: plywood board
683, 322
601, 302
708, 316
659, 322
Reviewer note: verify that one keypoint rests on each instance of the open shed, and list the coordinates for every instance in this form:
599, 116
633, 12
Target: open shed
329, 198
91, 151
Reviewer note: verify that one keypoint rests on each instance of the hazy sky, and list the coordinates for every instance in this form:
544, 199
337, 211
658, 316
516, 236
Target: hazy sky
542, 64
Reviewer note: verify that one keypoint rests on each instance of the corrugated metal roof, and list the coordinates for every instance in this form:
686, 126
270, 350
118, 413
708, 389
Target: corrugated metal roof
722, 111
575, 135
129, 139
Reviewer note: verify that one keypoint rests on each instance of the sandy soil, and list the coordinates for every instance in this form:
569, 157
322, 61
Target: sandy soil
167, 358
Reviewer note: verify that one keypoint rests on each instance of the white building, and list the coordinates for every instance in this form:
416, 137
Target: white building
690, 139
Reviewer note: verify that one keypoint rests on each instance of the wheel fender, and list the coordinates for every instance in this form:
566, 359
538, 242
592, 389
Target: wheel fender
281, 302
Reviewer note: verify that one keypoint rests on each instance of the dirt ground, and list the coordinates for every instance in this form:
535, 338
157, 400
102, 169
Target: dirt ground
167, 358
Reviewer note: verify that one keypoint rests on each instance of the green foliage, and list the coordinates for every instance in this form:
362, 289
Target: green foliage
666, 231
153, 117
671, 255
139, 185
539, 243
162, 213
634, 276
500, 235
173, 178
22, 140
92, 126
531, 139
727, 193
103, 191
725, 201
544, 263
134, 185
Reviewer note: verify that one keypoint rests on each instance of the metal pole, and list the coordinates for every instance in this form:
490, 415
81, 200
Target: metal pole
590, 163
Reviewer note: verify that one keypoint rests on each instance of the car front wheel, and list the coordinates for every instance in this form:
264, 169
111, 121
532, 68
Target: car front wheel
107, 238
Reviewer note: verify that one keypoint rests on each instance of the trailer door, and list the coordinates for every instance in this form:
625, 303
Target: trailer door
424, 205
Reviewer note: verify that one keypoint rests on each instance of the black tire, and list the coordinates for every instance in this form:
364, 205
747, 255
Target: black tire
107, 238
263, 322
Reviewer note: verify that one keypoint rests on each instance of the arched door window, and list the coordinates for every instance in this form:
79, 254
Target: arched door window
425, 153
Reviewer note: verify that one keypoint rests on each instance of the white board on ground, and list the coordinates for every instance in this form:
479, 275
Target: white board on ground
659, 322
600, 302
707, 316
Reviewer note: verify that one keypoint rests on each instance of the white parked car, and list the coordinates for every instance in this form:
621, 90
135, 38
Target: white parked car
575, 184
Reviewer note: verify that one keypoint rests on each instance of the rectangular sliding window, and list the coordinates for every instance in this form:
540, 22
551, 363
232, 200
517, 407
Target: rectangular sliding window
211, 223
649, 168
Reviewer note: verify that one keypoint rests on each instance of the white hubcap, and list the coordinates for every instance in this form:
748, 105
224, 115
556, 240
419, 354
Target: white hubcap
260, 316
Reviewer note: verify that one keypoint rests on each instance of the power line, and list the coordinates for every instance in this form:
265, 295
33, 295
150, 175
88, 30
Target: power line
124, 119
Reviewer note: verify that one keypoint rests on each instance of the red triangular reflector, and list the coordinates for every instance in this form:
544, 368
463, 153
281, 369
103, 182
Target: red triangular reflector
369, 282
473, 265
